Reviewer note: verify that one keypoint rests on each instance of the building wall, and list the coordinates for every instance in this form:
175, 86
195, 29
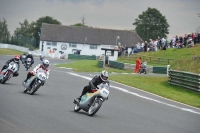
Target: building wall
66, 48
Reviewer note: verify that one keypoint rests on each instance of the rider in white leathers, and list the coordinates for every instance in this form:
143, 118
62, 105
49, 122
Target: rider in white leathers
43, 66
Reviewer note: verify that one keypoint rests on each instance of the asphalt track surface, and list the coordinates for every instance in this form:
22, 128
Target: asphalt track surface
50, 110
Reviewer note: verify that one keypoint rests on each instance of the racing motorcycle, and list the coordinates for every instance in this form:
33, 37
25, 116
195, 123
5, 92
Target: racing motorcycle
35, 82
41, 57
28, 64
92, 101
7, 73
23, 58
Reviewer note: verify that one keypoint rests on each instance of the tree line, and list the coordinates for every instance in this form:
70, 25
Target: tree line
149, 24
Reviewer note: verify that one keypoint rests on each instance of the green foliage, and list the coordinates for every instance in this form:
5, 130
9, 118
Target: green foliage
24, 30
36, 26
4, 33
79, 24
151, 24
32, 30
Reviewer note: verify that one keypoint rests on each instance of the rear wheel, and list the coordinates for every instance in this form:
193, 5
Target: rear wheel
94, 107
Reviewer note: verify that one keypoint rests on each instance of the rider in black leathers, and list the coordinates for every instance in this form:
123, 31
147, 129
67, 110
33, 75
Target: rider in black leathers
16, 60
29, 55
97, 80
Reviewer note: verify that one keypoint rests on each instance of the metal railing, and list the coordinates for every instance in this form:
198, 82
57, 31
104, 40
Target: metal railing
184, 79
152, 60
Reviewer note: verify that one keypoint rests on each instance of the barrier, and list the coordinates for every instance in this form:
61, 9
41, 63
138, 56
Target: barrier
184, 79
84, 57
100, 64
117, 65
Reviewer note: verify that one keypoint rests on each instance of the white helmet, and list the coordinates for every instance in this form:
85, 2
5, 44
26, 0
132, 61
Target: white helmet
104, 75
45, 63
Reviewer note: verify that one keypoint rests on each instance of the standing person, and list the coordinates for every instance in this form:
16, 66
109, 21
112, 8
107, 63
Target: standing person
145, 46
137, 65
97, 80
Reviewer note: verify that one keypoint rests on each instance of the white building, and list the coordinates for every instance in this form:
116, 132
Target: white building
57, 40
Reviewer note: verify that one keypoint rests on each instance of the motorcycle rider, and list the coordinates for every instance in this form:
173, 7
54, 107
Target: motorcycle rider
22, 55
44, 66
97, 80
29, 55
16, 60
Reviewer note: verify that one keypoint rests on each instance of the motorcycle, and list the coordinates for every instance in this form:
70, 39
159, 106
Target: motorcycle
23, 58
143, 68
7, 73
92, 101
41, 57
35, 82
28, 64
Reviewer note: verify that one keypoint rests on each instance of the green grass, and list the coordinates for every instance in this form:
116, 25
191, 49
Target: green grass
182, 58
89, 66
5, 51
160, 86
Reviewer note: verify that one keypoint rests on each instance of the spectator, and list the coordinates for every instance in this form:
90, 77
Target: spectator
138, 47
132, 49
137, 65
145, 46
142, 46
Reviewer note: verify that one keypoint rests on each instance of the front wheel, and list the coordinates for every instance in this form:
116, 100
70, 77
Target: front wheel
76, 107
95, 107
4, 79
35, 87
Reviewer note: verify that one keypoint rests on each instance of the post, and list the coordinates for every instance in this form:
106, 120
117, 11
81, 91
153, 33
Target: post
168, 68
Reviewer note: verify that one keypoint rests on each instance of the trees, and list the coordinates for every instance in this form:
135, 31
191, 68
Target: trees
36, 26
82, 23
4, 33
24, 29
32, 31
151, 24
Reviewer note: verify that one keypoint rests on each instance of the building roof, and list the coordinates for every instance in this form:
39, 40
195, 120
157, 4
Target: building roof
75, 34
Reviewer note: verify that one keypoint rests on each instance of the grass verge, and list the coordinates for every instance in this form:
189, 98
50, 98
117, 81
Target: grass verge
5, 51
160, 86
89, 66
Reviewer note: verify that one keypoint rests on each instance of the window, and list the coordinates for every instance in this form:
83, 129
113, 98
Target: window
54, 43
48, 43
73, 45
93, 46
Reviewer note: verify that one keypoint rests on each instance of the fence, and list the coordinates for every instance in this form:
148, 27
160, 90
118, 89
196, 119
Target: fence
117, 65
184, 79
152, 60
22, 41
85, 57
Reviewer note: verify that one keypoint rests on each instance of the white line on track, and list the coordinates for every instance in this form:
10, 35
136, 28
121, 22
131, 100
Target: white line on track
138, 95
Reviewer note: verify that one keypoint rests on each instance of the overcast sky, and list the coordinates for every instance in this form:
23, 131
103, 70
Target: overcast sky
110, 14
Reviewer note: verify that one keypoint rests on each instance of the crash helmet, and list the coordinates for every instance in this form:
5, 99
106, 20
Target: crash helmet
104, 75
16, 58
45, 63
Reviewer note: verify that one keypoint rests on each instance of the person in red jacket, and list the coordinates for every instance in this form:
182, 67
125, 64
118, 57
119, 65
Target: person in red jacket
137, 65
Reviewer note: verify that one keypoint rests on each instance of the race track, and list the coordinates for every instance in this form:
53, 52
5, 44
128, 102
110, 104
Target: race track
50, 110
